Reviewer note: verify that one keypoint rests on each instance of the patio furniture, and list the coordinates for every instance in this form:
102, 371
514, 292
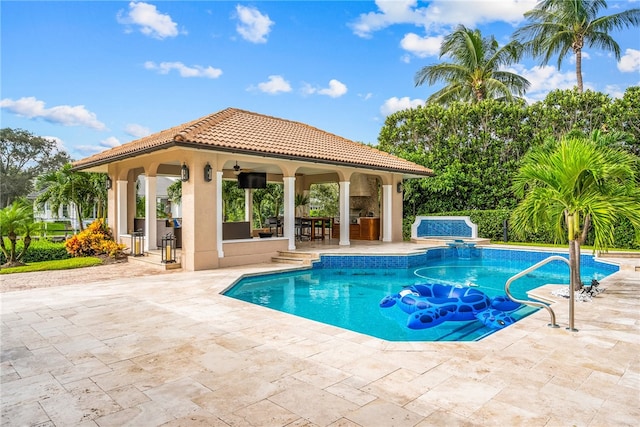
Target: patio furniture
275, 222
303, 227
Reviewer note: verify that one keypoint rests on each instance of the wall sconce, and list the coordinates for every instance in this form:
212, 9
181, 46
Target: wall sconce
399, 187
108, 183
208, 173
184, 173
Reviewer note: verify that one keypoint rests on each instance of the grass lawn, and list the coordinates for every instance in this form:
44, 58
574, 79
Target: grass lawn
64, 264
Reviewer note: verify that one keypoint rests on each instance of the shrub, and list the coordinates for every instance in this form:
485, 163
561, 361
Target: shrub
40, 250
96, 239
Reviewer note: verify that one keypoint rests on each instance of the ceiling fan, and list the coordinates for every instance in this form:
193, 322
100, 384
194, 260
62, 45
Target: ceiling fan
237, 169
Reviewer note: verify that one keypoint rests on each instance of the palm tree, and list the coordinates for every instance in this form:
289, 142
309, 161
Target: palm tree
65, 186
561, 27
475, 71
14, 220
581, 182
98, 194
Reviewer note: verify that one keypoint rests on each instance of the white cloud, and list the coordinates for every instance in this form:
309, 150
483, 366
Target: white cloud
151, 22
276, 84
440, 13
615, 91
110, 142
137, 130
59, 143
544, 79
366, 96
394, 104
421, 46
630, 61
253, 25
335, 90
183, 70
66, 115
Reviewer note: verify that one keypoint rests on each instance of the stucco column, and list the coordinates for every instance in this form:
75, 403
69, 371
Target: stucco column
344, 213
120, 207
289, 210
397, 199
199, 228
150, 218
219, 214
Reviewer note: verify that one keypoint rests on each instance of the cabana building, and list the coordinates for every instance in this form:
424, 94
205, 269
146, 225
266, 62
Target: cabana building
251, 149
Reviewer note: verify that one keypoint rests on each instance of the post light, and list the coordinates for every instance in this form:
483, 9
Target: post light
208, 173
168, 248
108, 183
137, 243
184, 173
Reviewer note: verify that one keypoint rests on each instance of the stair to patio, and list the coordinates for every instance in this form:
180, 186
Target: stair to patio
154, 259
296, 258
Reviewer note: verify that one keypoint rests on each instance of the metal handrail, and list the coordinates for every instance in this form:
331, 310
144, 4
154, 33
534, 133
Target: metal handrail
553, 323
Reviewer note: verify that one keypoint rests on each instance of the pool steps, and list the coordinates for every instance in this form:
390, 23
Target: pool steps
297, 258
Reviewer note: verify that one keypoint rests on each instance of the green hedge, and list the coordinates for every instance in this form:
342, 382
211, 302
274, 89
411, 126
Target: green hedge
39, 250
491, 225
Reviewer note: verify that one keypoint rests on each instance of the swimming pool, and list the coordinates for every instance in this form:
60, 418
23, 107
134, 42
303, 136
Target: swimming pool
346, 290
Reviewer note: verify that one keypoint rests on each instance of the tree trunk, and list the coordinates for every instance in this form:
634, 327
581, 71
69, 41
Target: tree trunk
574, 265
27, 242
579, 69
79, 216
12, 248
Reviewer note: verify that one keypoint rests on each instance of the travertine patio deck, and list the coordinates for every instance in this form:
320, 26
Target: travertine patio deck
170, 350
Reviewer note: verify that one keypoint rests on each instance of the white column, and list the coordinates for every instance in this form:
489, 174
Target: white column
248, 206
121, 213
387, 214
344, 213
150, 222
289, 210
219, 214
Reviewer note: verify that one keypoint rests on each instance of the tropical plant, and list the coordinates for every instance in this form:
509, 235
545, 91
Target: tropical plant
579, 183
564, 27
174, 192
96, 239
16, 219
65, 187
232, 201
476, 71
98, 194
301, 200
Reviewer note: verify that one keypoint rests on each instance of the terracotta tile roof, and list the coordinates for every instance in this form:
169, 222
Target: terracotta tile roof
240, 131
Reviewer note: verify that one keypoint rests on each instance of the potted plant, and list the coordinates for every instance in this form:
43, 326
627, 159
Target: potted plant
301, 201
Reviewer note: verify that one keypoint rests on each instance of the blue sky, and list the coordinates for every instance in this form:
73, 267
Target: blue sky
94, 75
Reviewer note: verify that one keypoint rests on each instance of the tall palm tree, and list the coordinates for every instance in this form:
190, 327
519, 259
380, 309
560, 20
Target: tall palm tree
580, 183
65, 186
475, 71
562, 27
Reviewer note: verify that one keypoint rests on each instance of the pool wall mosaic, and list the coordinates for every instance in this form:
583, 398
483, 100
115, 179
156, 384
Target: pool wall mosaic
443, 226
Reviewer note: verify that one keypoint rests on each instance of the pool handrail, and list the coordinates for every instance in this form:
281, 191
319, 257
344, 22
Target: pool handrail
553, 323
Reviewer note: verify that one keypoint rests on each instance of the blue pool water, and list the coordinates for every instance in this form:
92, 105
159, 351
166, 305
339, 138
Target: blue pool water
345, 291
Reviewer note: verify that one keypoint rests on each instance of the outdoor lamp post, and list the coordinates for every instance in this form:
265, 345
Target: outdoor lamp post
137, 243
168, 248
